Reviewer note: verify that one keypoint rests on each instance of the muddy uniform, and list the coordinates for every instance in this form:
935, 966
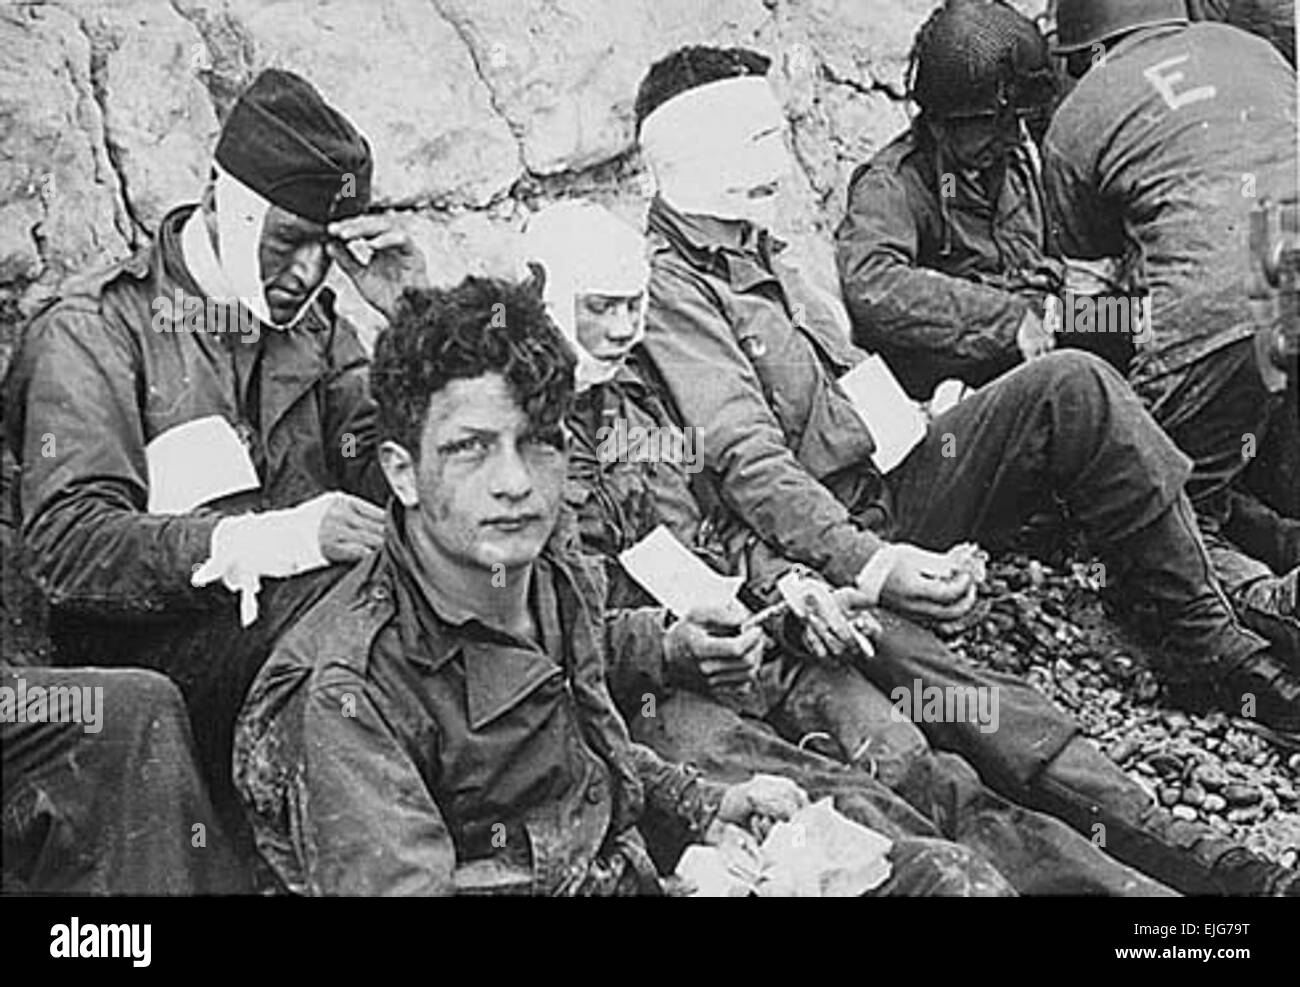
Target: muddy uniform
937, 274
394, 745
749, 353
103, 373
621, 492
1158, 156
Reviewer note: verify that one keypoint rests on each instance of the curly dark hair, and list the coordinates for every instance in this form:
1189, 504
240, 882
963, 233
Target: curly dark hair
693, 66
483, 325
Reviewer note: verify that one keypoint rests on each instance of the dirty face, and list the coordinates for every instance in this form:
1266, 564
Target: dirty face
486, 489
293, 262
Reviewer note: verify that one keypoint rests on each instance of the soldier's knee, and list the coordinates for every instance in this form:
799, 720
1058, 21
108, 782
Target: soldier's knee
138, 701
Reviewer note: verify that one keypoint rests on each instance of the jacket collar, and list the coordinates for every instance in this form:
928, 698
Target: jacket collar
736, 249
500, 670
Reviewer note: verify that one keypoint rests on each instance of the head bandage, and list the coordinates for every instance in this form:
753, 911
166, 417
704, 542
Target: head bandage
700, 145
584, 249
241, 217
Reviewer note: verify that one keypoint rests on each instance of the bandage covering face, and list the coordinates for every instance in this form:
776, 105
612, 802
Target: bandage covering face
702, 150
585, 249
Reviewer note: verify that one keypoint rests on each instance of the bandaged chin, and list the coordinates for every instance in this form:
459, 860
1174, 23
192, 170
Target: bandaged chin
701, 147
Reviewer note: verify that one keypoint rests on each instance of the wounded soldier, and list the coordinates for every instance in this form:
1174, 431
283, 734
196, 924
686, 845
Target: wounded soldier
196, 419
441, 722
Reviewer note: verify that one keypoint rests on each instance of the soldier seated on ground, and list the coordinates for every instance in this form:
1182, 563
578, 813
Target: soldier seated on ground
170, 465
441, 720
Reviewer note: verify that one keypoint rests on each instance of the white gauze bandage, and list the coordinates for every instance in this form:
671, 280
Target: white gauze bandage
241, 217
701, 148
584, 249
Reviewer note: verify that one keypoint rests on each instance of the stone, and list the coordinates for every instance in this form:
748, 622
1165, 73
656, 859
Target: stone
399, 70
1241, 795
1184, 812
60, 198
159, 122
1170, 795
1193, 795
1214, 803
1210, 776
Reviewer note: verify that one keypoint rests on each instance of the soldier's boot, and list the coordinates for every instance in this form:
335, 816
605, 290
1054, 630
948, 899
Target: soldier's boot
1206, 653
1089, 791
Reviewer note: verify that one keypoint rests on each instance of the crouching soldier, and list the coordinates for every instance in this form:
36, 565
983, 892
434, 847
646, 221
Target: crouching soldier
750, 355
1174, 133
942, 252
441, 721
197, 419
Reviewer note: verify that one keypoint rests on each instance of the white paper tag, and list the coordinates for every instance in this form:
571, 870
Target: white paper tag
897, 422
196, 463
674, 576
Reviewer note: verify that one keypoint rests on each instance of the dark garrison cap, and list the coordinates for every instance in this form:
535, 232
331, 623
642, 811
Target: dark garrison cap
291, 147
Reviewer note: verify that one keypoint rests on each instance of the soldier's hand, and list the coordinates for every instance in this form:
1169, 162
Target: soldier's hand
837, 625
351, 528
765, 796
1033, 337
379, 257
930, 584
711, 640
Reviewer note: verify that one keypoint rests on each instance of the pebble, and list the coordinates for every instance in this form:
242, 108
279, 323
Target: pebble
1210, 776
1242, 795
1169, 795
1239, 816
1166, 764
1194, 795
1214, 803
1294, 763
1185, 812
1123, 749
1221, 824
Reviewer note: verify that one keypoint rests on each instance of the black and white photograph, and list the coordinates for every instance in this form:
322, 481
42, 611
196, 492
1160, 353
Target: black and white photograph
663, 448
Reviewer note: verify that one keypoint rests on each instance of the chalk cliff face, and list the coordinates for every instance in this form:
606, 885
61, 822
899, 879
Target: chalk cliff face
476, 109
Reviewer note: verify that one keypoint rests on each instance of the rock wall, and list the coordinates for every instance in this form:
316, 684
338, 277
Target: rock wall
476, 109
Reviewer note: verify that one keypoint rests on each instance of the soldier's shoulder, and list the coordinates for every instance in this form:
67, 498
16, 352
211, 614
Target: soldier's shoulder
335, 637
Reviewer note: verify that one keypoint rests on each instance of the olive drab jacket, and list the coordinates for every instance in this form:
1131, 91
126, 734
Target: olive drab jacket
1159, 154
632, 467
110, 367
750, 355
935, 275
392, 745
